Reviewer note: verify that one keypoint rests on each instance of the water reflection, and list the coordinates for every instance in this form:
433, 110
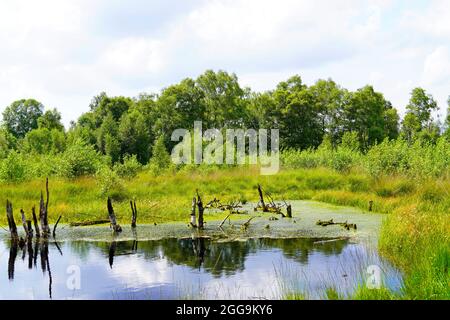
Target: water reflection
173, 268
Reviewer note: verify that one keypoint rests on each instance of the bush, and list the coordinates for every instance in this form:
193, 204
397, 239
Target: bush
160, 157
110, 184
13, 168
79, 159
128, 168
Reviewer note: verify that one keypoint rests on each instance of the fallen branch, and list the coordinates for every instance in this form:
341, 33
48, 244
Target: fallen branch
345, 225
88, 223
56, 225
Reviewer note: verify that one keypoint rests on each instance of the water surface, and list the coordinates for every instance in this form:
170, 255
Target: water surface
196, 268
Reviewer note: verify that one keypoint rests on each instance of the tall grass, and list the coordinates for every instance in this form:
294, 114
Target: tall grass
409, 183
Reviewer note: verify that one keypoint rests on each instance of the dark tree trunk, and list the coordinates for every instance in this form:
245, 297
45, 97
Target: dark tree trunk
133, 213
193, 216
200, 211
261, 199
112, 217
11, 222
35, 222
289, 211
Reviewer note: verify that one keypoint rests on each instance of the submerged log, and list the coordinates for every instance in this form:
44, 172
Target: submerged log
345, 225
35, 222
88, 223
133, 213
112, 217
11, 223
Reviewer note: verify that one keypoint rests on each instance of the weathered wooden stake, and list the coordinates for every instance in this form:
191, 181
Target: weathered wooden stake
370, 205
200, 211
11, 222
112, 217
193, 216
35, 222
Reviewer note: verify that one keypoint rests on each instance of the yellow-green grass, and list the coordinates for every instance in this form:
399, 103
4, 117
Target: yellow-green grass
415, 236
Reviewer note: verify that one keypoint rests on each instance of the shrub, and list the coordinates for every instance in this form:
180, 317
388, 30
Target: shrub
79, 159
128, 168
110, 184
13, 168
160, 157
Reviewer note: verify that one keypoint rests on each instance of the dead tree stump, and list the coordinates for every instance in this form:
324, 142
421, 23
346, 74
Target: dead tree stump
289, 211
261, 199
112, 217
24, 222
200, 211
133, 213
370, 205
11, 223
30, 230
43, 212
35, 222
193, 215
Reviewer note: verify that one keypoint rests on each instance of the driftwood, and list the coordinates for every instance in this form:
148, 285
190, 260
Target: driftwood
112, 217
133, 213
245, 226
345, 225
224, 220
200, 211
35, 222
270, 206
217, 204
88, 223
11, 223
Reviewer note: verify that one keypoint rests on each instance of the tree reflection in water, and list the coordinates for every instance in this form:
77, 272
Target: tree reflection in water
220, 258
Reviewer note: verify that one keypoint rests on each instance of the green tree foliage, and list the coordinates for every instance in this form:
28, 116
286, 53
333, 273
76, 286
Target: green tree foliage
418, 117
119, 131
50, 120
369, 114
160, 157
22, 116
44, 141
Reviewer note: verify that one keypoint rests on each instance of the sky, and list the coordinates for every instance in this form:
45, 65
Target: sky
62, 53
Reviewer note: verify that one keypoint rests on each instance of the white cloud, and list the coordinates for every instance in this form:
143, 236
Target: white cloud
436, 68
61, 53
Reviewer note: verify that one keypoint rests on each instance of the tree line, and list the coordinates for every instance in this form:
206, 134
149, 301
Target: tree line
119, 127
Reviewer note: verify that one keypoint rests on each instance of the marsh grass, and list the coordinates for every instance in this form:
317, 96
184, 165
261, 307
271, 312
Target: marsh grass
415, 235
